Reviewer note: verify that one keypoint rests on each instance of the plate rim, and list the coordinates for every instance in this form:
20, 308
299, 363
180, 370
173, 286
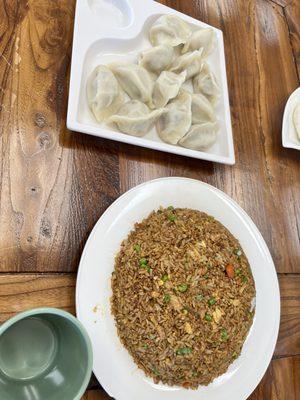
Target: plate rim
252, 227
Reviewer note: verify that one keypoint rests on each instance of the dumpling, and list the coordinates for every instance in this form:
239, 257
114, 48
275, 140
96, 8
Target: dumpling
200, 137
103, 93
175, 123
202, 109
190, 62
158, 58
206, 83
169, 29
203, 38
135, 80
135, 118
296, 119
166, 87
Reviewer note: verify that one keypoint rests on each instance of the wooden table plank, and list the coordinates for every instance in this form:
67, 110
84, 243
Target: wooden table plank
19, 292
54, 184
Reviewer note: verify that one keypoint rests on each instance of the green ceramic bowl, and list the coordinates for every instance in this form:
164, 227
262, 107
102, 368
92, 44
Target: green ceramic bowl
45, 354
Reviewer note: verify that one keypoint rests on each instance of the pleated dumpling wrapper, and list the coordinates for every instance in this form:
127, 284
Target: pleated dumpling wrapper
166, 87
174, 124
104, 93
157, 59
201, 136
202, 109
206, 83
169, 29
202, 38
190, 62
135, 118
134, 80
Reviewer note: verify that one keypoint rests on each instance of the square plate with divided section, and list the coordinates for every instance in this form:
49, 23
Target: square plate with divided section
116, 31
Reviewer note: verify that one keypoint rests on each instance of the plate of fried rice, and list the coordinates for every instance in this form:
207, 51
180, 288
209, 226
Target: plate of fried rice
179, 294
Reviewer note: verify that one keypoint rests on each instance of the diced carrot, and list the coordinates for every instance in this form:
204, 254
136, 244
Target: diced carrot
230, 271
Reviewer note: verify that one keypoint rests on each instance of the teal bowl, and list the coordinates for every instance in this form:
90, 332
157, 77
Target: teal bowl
45, 354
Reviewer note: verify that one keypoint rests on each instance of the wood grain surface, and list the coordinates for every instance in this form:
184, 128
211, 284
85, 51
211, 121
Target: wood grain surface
55, 184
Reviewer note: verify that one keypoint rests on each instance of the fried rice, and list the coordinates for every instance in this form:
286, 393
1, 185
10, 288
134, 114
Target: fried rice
182, 297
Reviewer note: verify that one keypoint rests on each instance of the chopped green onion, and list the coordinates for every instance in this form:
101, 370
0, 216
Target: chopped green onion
244, 278
205, 276
199, 297
237, 252
145, 346
170, 208
212, 301
154, 370
137, 248
167, 298
208, 317
182, 288
143, 261
172, 217
224, 334
149, 269
165, 278
238, 272
183, 351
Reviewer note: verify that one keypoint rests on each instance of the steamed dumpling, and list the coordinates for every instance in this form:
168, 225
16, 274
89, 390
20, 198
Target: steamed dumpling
206, 83
167, 87
200, 137
103, 93
169, 29
190, 62
296, 119
175, 123
202, 38
135, 80
158, 58
135, 118
202, 109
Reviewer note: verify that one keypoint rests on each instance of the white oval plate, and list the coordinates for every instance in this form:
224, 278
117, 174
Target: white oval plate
289, 134
113, 366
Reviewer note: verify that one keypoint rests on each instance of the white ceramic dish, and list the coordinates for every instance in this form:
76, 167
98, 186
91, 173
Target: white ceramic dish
117, 30
289, 135
113, 366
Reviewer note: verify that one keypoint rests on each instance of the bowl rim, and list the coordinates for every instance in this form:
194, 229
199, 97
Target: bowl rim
64, 314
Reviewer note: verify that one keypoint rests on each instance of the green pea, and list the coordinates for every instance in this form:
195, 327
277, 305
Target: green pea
182, 288
208, 317
183, 351
238, 272
143, 261
224, 334
212, 301
137, 248
172, 217
165, 278
166, 298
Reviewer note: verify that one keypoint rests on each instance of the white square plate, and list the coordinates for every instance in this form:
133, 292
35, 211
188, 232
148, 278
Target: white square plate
115, 30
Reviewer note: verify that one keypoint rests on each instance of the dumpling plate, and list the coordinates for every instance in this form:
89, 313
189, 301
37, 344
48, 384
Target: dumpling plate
289, 134
117, 31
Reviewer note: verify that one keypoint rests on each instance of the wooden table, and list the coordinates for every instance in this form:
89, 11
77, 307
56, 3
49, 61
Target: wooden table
55, 184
